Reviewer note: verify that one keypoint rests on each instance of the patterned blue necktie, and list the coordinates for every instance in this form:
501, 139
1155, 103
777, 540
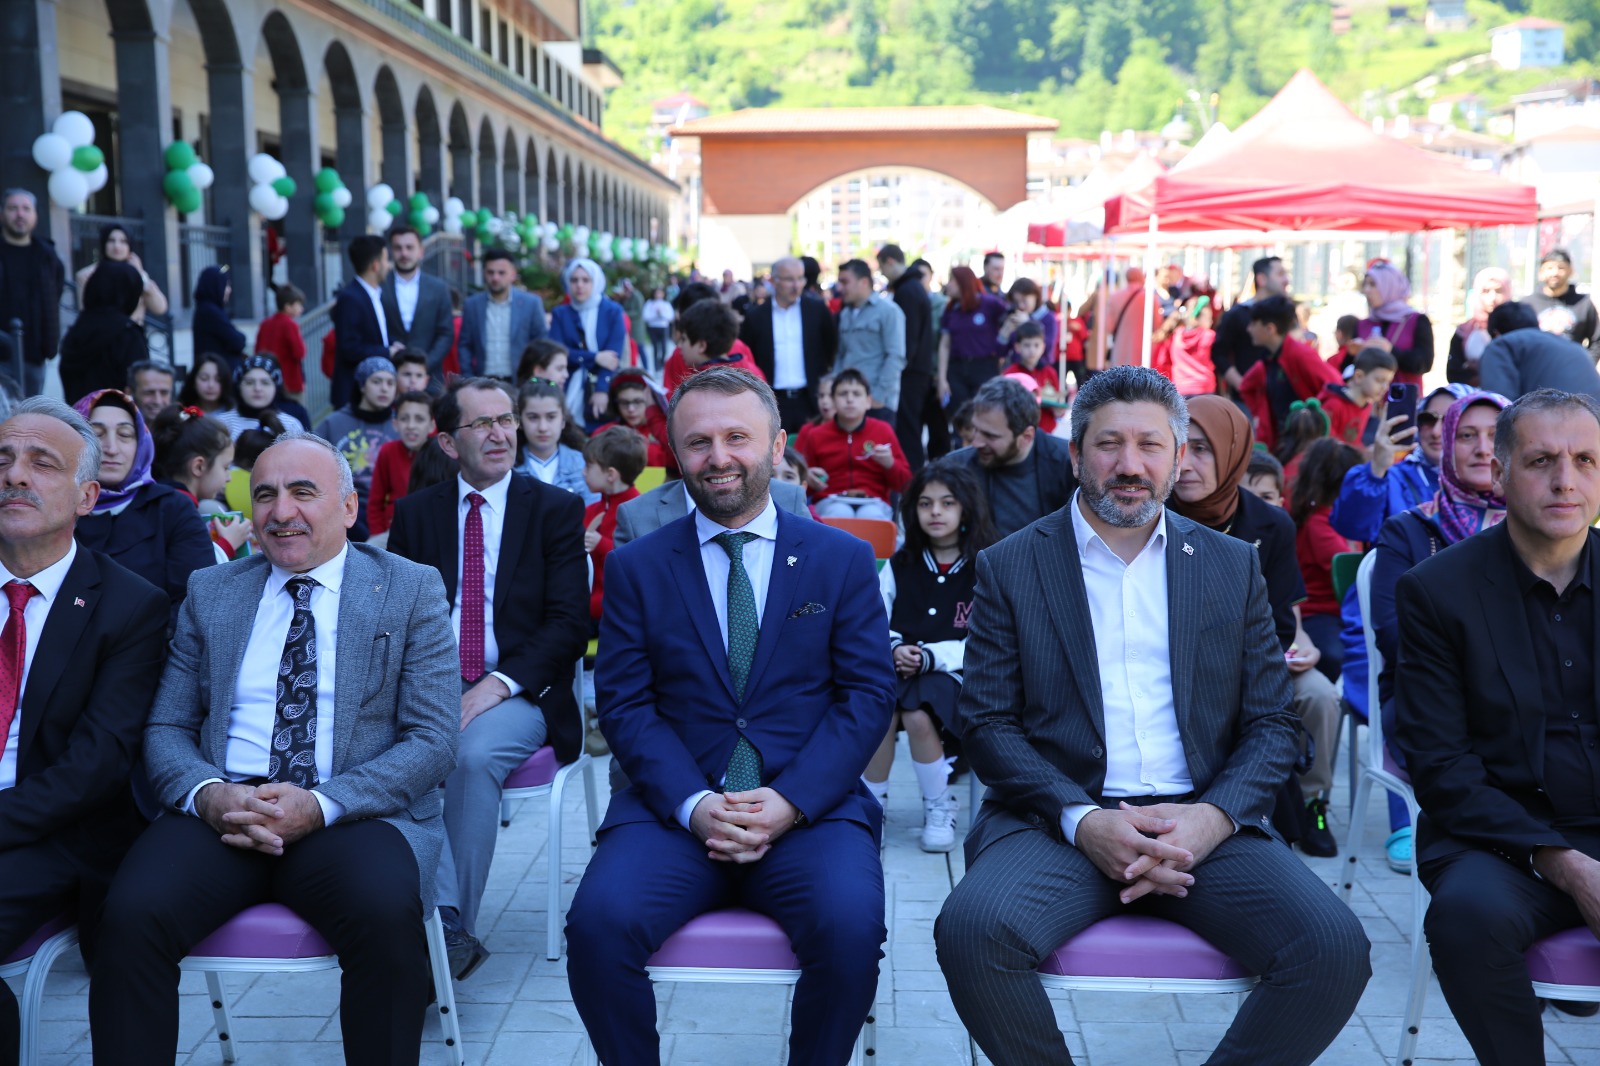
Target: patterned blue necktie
294, 728
744, 768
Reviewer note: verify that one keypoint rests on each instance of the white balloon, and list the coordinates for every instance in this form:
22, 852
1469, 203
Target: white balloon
552, 245
510, 239
379, 220
261, 169
263, 198
580, 234
342, 197
51, 151
606, 236
98, 178
453, 207
202, 175
494, 226
431, 215
280, 206
452, 225
379, 196
605, 255
69, 187
75, 128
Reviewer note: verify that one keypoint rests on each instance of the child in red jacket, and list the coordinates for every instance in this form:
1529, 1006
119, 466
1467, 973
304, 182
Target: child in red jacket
708, 335
634, 406
279, 336
1349, 406
613, 459
856, 461
1028, 343
391, 471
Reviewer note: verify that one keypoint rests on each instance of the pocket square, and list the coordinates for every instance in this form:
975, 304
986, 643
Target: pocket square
810, 608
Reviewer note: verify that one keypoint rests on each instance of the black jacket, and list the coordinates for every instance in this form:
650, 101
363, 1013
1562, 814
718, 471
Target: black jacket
41, 323
159, 536
541, 590
819, 337
922, 341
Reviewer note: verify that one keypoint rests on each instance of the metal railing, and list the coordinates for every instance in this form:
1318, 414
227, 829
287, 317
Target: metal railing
315, 325
201, 246
445, 256
86, 237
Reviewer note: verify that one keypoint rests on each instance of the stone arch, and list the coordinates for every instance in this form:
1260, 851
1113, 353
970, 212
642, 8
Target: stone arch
461, 178
350, 134
532, 191
297, 151
395, 167
430, 148
511, 170
569, 194
552, 189
488, 164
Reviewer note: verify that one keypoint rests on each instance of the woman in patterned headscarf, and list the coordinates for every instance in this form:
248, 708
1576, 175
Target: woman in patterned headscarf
1393, 324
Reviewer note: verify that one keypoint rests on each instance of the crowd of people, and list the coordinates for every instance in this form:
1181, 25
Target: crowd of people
1114, 595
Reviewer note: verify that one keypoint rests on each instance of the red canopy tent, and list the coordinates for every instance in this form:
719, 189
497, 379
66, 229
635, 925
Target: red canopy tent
1305, 162
1089, 201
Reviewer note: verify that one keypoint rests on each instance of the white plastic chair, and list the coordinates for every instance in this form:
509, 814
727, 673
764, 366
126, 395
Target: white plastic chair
32, 962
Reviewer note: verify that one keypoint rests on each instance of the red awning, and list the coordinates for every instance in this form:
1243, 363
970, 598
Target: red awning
1305, 162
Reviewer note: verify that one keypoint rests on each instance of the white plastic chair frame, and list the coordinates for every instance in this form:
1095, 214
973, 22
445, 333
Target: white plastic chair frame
34, 971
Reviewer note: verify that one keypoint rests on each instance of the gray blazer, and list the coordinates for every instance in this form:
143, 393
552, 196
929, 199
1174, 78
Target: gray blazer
670, 502
433, 327
397, 693
527, 324
1031, 719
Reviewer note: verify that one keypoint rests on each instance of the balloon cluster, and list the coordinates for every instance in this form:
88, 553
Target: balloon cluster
77, 168
423, 216
382, 207
186, 177
332, 198
269, 195
454, 209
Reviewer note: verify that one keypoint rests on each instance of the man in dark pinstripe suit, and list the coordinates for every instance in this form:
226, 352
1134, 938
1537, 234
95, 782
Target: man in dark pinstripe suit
1127, 702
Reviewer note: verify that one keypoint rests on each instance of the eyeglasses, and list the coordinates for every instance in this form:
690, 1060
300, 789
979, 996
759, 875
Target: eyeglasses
1427, 420
633, 403
488, 422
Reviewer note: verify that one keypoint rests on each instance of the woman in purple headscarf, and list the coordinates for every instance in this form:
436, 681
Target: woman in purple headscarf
1393, 324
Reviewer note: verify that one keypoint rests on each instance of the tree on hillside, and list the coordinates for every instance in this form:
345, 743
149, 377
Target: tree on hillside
1147, 93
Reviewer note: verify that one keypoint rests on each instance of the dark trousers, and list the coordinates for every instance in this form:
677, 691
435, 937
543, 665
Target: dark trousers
355, 882
919, 409
658, 347
796, 407
1484, 914
823, 884
966, 376
1028, 893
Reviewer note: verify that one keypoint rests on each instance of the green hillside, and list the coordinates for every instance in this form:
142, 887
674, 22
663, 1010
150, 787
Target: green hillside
1092, 64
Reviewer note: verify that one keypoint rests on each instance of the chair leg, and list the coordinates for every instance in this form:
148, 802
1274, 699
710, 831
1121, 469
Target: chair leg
1355, 756
224, 1020
444, 989
867, 1042
505, 812
1358, 818
591, 799
1421, 968
31, 1003
552, 931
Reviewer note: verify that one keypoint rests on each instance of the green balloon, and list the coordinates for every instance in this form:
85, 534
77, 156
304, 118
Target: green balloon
87, 158
179, 187
469, 220
178, 156
394, 208
324, 203
423, 229
531, 220
327, 180
332, 218
189, 203
483, 235
285, 186
419, 201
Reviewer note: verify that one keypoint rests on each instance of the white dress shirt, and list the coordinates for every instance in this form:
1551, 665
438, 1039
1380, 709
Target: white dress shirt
48, 583
497, 338
493, 513
788, 348
757, 555
1128, 603
405, 296
254, 709
376, 296
544, 469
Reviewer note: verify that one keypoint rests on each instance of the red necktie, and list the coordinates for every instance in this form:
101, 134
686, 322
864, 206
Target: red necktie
13, 655
472, 591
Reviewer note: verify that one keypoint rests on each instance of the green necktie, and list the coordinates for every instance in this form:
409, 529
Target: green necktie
744, 768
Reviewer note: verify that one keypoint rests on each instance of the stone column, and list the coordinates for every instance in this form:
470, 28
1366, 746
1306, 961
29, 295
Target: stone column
397, 159
350, 128
144, 127
30, 97
297, 121
430, 171
231, 97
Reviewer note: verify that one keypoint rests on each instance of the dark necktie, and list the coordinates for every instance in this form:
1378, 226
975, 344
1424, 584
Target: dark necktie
294, 729
13, 656
471, 639
744, 768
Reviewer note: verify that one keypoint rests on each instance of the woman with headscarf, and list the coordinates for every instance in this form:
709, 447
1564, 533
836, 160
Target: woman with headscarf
116, 248
1210, 491
1393, 324
591, 326
150, 528
257, 386
214, 332
1490, 289
105, 340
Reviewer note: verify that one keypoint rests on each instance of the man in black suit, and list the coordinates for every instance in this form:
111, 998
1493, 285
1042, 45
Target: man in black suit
87, 640
360, 326
919, 400
510, 550
1499, 721
793, 339
417, 305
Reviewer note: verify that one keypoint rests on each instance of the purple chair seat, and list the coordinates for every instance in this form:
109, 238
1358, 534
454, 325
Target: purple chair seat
1571, 957
30, 946
265, 931
732, 939
539, 769
1139, 946
1392, 767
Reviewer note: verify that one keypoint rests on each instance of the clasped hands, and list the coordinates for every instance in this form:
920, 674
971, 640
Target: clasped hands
1153, 849
265, 818
741, 826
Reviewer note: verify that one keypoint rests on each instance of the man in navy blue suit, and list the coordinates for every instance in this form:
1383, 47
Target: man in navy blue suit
360, 325
743, 683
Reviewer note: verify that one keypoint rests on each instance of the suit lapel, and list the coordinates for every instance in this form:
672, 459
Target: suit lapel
781, 588
690, 574
1185, 599
227, 656
513, 531
446, 518
359, 597
63, 627
674, 503
1055, 552
391, 308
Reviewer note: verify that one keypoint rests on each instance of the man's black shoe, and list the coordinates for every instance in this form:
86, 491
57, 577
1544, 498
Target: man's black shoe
465, 952
1576, 1010
1316, 838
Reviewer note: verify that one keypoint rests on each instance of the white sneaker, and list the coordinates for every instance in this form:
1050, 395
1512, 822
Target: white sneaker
939, 823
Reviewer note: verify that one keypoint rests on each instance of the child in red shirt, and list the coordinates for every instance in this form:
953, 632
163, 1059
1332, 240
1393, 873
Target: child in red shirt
279, 336
856, 461
391, 471
1311, 497
633, 406
1027, 341
1349, 406
613, 459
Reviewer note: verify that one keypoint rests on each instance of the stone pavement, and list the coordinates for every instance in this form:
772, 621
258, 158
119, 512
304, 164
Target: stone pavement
516, 1009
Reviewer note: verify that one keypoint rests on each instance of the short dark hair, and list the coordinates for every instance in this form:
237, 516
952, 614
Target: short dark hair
619, 448
288, 294
1320, 477
499, 253
1278, 311
406, 356
536, 356
414, 396
891, 252
144, 366
1012, 400
181, 437
430, 466
365, 250
447, 408
1535, 402
1264, 265
712, 323
812, 268
1556, 255
1264, 464
1370, 359
923, 265
727, 381
400, 229
1126, 384
249, 446
1027, 331
962, 416
1347, 325
990, 256
692, 294
849, 376
858, 267
1510, 317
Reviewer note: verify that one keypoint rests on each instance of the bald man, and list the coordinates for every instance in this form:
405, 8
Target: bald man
793, 339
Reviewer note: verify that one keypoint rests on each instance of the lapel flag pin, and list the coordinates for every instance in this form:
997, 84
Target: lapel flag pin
1187, 550
791, 560
76, 602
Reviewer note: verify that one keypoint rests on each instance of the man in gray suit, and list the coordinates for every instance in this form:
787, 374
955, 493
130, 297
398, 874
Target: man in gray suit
1127, 702
417, 305
669, 502
497, 323
293, 770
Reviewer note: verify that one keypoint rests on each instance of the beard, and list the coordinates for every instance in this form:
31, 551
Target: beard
1108, 510
727, 502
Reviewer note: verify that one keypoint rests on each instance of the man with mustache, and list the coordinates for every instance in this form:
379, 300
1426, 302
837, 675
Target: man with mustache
306, 717
1126, 700
744, 681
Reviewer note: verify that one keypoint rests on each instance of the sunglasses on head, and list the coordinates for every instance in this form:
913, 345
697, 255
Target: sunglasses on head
1426, 420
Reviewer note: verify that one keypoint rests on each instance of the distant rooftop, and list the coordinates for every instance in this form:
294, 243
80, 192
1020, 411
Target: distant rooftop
964, 119
678, 100
1529, 23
